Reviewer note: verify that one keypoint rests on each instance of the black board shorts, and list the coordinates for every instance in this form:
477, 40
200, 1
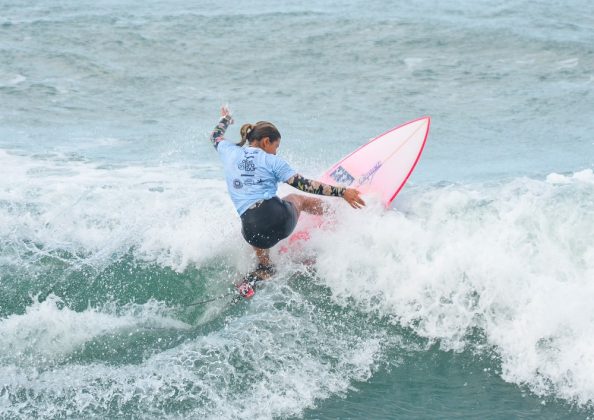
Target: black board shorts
267, 223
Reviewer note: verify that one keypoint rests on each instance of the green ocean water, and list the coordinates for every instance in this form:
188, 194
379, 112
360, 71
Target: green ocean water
408, 377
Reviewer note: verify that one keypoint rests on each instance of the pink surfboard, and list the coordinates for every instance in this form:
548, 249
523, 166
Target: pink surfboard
380, 167
383, 165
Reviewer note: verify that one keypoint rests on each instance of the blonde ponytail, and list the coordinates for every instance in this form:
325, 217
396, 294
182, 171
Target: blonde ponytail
245, 132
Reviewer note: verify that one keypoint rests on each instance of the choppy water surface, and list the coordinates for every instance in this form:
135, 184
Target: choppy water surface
471, 298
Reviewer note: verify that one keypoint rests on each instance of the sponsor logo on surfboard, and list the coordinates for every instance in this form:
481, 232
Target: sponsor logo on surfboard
341, 176
368, 177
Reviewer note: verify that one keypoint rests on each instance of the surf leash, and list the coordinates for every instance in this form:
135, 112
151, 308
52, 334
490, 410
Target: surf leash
246, 289
203, 302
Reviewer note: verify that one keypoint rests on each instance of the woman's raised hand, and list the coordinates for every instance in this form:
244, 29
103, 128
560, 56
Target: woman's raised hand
225, 112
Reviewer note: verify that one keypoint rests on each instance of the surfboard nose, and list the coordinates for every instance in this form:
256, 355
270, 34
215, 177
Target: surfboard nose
383, 165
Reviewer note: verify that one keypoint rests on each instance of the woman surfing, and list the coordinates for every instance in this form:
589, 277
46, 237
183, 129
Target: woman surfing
252, 174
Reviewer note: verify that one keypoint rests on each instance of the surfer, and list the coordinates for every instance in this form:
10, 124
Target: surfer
252, 174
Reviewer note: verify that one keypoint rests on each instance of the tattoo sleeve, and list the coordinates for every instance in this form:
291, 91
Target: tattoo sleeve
315, 187
219, 130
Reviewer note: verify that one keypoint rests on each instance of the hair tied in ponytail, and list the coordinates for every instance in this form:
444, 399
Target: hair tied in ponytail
254, 132
245, 132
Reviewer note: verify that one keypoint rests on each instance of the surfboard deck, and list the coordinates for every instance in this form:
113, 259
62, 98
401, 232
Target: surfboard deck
379, 167
383, 165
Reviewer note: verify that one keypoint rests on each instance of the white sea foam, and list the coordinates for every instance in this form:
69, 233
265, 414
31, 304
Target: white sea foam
165, 213
515, 260
587, 176
263, 364
168, 216
48, 331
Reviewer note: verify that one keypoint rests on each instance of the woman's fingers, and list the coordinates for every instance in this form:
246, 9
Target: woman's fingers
351, 195
360, 201
225, 110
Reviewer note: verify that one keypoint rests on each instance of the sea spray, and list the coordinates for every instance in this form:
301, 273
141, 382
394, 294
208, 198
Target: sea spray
513, 259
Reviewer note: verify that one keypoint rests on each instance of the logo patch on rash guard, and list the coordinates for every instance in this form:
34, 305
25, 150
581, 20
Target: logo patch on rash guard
247, 164
237, 184
250, 181
341, 176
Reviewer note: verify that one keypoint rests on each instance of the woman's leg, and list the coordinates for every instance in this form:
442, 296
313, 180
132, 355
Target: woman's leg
265, 269
263, 256
310, 205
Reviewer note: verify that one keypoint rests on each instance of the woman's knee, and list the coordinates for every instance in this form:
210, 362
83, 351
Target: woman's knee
296, 200
311, 205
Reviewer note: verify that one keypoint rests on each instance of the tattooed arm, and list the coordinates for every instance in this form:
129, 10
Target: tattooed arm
315, 187
219, 131
351, 195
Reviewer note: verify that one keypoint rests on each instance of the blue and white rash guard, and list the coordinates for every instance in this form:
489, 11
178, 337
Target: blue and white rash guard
251, 173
